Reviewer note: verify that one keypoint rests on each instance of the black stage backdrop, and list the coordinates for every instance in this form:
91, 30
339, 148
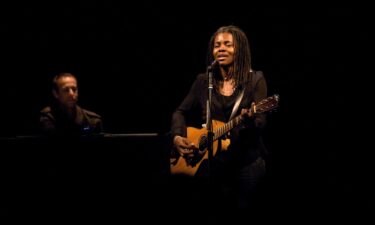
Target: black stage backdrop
135, 63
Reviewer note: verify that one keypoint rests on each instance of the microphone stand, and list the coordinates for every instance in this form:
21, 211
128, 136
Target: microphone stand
210, 134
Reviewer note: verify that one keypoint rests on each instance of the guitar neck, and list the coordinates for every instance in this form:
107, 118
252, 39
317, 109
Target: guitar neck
221, 131
265, 105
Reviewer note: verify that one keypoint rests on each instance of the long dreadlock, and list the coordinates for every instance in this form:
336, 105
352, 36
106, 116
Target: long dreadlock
240, 69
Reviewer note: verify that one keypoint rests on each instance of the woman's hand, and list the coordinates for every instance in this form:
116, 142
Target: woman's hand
183, 145
247, 113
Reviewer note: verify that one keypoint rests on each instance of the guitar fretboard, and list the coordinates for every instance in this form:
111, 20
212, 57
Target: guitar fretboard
227, 127
263, 106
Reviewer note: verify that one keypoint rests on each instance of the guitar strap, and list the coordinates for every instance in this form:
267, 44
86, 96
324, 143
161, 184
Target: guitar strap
235, 107
237, 103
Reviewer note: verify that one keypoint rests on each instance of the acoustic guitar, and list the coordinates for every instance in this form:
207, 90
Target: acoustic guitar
189, 164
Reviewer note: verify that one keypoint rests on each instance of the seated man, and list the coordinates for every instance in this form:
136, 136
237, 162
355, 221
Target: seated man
64, 116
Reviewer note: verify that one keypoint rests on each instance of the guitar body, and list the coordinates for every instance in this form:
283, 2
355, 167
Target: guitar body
182, 165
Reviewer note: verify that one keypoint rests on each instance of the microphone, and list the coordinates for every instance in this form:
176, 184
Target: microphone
213, 65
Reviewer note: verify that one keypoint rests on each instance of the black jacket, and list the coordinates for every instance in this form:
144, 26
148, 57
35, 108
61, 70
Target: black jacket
54, 121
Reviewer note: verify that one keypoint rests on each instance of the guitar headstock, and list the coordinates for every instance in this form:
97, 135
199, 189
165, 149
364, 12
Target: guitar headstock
267, 104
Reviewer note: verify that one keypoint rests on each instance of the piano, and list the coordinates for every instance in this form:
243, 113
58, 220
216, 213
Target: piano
87, 175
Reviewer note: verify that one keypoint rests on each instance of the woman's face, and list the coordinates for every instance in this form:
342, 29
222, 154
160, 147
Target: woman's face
223, 50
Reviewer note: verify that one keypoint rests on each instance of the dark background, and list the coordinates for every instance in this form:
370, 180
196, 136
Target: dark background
136, 63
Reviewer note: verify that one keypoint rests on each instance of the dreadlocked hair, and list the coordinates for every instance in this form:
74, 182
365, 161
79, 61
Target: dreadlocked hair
240, 69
